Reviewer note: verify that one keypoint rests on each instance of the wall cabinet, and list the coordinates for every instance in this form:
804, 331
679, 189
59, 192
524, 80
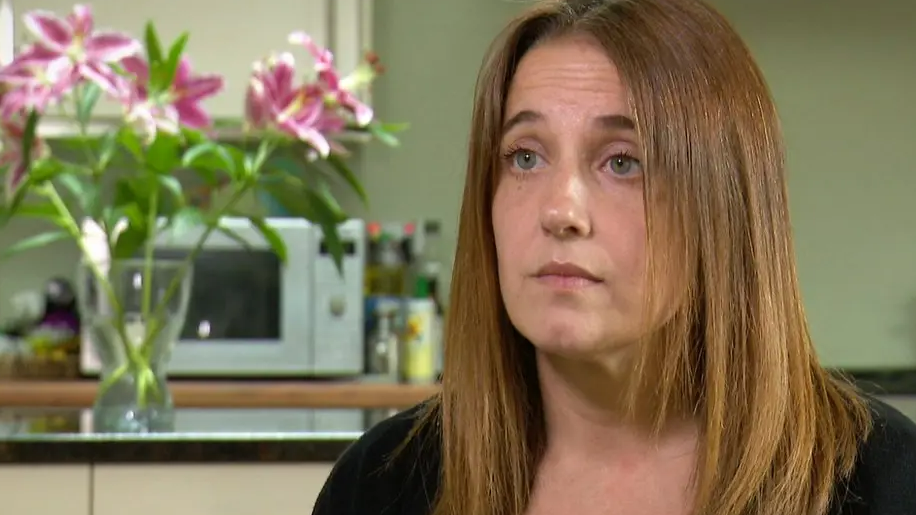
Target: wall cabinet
45, 489
226, 37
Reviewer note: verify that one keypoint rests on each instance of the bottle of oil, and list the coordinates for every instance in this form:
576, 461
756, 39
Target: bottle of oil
384, 346
386, 271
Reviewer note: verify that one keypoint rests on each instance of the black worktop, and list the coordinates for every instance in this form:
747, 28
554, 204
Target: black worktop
884, 381
41, 436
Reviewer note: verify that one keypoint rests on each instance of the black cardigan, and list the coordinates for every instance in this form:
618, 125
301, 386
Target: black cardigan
365, 481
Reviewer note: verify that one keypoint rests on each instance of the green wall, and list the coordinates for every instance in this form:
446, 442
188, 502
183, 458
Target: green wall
844, 77
843, 74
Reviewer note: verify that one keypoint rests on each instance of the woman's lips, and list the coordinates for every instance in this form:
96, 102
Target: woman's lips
566, 276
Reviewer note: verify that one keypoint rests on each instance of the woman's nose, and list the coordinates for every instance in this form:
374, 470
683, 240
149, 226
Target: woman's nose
564, 213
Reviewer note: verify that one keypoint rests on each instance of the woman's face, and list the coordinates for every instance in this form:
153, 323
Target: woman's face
568, 212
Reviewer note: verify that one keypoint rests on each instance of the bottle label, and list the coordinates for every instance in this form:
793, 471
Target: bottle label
419, 337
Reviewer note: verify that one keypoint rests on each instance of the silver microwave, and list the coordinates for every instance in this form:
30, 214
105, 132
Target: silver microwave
249, 315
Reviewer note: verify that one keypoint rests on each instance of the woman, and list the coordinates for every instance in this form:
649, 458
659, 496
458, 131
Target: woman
626, 333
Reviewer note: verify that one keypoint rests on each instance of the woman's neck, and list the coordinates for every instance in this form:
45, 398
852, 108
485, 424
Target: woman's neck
586, 415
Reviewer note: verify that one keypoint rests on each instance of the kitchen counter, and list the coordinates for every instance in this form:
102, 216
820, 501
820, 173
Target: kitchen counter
884, 381
64, 436
358, 393
283, 429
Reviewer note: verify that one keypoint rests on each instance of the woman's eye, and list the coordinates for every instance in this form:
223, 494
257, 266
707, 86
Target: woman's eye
525, 159
624, 166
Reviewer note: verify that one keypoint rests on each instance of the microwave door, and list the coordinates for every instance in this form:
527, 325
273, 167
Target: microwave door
233, 325
235, 296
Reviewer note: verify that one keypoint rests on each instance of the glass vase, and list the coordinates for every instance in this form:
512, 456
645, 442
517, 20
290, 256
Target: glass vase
132, 313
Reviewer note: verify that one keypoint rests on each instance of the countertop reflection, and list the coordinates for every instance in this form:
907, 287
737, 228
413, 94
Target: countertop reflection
35, 435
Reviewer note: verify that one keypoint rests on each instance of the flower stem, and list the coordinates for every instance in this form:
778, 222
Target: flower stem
148, 256
112, 378
155, 327
73, 228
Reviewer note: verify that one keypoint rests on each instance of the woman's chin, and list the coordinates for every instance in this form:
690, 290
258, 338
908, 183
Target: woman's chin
576, 336
568, 340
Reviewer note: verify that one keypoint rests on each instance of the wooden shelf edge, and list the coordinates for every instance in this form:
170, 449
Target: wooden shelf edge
226, 394
54, 127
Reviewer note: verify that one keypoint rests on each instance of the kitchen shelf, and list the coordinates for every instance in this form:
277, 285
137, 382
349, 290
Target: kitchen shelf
227, 394
53, 127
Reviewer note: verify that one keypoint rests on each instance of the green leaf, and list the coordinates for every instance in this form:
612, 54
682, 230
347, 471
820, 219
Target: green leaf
394, 128
172, 184
34, 242
285, 164
41, 210
108, 145
19, 196
73, 184
84, 192
160, 71
112, 216
192, 136
340, 166
271, 236
186, 219
28, 136
86, 101
164, 155
175, 52
45, 170
254, 163
153, 47
318, 207
236, 237
238, 158
334, 245
137, 191
288, 192
129, 140
249, 166
382, 134
130, 241
207, 158
323, 192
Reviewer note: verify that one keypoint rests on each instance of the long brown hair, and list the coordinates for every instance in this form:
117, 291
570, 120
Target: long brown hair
778, 431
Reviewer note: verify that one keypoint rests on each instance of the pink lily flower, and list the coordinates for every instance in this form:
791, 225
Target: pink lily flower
33, 86
180, 106
72, 45
275, 101
340, 91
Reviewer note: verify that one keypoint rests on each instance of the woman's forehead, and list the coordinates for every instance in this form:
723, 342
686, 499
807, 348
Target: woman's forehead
566, 78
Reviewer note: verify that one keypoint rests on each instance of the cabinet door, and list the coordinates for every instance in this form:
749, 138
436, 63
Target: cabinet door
351, 35
225, 37
218, 489
7, 36
45, 489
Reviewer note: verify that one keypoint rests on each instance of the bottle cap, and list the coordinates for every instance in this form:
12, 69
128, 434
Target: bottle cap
421, 288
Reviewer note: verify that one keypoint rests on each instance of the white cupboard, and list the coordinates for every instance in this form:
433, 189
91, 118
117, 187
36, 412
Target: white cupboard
217, 489
151, 489
225, 37
46, 489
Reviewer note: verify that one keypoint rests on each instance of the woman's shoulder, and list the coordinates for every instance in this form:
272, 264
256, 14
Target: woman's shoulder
380, 474
884, 480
